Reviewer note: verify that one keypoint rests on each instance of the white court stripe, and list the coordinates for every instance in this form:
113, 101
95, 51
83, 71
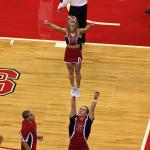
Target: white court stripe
12, 42
49, 41
104, 23
146, 136
60, 44
118, 45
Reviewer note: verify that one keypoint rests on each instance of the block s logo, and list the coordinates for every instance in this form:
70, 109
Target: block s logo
7, 85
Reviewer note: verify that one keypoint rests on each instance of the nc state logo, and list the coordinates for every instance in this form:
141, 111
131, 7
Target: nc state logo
7, 85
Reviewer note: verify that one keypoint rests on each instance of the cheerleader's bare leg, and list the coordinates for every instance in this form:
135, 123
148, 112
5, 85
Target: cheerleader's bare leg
70, 67
78, 74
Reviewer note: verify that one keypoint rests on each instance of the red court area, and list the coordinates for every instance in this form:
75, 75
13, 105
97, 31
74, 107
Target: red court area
23, 19
147, 145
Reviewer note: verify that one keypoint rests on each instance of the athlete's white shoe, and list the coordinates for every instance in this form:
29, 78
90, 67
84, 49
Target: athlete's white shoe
72, 91
77, 92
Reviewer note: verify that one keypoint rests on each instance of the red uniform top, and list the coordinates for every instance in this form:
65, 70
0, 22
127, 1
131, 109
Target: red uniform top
29, 134
73, 38
73, 55
79, 131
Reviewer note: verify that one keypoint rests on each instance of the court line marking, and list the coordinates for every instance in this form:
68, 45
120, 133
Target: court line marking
104, 23
12, 42
146, 136
96, 22
55, 41
60, 44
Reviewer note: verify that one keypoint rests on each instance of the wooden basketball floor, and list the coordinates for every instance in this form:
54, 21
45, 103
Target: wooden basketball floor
122, 74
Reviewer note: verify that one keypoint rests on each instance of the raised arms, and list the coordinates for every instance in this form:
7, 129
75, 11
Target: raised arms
73, 106
83, 30
55, 27
93, 105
